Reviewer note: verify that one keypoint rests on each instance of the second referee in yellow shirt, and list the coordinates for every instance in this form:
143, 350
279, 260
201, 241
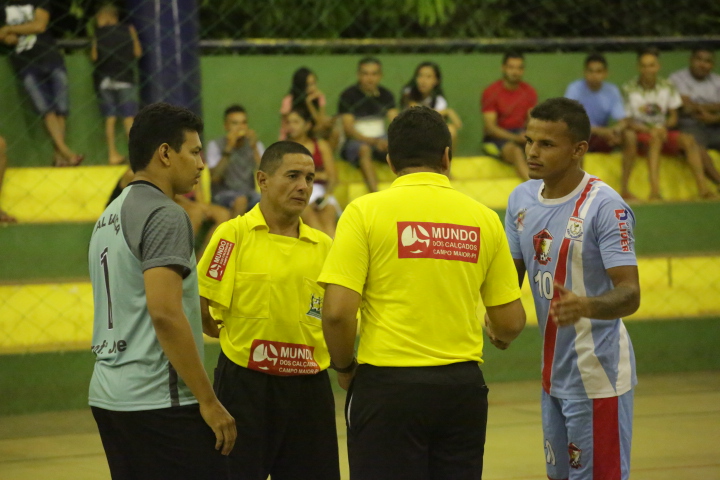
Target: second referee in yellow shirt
258, 276
416, 259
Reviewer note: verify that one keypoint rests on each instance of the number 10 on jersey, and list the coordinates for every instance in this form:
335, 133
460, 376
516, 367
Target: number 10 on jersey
544, 282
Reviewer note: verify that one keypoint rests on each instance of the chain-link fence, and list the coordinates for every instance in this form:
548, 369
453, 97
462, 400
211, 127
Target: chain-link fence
247, 52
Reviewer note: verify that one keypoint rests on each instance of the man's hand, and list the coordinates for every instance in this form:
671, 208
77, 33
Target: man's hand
345, 379
568, 308
212, 329
251, 137
381, 145
494, 340
232, 138
520, 138
222, 424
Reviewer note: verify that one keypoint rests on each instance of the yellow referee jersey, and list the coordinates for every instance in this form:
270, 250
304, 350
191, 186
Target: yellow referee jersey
422, 255
263, 286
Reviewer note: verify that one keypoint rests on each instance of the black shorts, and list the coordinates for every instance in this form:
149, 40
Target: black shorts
286, 425
417, 423
170, 443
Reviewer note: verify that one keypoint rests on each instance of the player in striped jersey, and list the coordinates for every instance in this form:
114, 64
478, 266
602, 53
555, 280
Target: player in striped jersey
573, 234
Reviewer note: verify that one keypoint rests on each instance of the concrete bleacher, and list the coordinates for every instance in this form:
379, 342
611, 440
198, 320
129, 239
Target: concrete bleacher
52, 310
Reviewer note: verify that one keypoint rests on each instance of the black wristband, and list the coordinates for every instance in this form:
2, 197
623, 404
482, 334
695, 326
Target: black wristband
353, 365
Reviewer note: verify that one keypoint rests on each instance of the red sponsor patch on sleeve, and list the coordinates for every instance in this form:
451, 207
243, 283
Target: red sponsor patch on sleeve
220, 259
283, 359
442, 241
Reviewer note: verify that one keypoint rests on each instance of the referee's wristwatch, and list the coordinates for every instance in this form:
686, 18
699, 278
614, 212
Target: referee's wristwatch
353, 365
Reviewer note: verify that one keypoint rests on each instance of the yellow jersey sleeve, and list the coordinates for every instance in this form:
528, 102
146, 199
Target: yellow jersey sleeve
501, 281
347, 262
217, 267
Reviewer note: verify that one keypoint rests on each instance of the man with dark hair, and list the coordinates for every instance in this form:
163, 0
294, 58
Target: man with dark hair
259, 295
699, 89
365, 108
603, 103
505, 105
416, 259
232, 160
652, 103
573, 235
149, 393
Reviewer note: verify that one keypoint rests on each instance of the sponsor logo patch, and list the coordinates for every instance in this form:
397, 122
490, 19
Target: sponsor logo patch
542, 243
283, 359
625, 236
216, 270
316, 303
520, 220
442, 241
621, 214
574, 230
574, 452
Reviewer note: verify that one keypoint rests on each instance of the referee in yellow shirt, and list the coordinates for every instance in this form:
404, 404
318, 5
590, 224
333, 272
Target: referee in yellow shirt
258, 278
416, 259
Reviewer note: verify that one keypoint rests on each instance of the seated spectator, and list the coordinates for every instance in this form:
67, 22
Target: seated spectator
232, 160
5, 217
425, 88
652, 103
322, 210
700, 92
304, 92
603, 103
40, 67
505, 107
114, 50
199, 210
365, 108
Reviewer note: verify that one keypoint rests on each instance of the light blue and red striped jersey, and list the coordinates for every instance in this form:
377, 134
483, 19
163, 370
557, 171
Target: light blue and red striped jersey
573, 241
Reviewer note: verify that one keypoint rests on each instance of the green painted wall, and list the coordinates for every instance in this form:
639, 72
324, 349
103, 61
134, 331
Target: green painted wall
259, 82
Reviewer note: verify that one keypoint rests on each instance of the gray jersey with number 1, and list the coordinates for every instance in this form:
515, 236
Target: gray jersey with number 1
140, 230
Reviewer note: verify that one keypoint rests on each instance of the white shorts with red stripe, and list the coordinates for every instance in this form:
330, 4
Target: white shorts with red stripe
588, 439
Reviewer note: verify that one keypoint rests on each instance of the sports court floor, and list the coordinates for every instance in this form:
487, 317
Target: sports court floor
677, 435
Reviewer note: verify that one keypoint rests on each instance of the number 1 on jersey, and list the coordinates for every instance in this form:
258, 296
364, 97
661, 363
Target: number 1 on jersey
545, 284
104, 262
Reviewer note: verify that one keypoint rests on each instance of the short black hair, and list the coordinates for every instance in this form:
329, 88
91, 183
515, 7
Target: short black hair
366, 60
109, 8
512, 54
648, 51
702, 48
156, 124
571, 112
417, 138
274, 154
596, 57
234, 108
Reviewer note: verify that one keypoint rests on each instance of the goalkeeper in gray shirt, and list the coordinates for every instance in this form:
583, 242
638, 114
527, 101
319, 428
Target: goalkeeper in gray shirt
154, 405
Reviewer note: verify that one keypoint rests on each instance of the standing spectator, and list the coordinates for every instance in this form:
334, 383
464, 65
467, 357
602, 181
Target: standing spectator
505, 105
425, 88
364, 109
416, 259
232, 160
699, 89
603, 103
304, 92
114, 50
322, 210
154, 405
574, 236
652, 103
41, 69
258, 277
5, 217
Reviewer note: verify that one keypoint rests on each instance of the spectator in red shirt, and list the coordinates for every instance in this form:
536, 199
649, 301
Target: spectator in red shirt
505, 105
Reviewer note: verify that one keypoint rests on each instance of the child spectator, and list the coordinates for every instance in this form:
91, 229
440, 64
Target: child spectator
232, 160
505, 105
425, 88
40, 67
114, 50
322, 210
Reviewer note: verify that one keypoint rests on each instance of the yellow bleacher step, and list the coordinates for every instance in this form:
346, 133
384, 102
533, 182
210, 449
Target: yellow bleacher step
37, 317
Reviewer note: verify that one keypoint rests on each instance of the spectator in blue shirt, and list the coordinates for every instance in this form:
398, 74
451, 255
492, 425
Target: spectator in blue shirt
602, 101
